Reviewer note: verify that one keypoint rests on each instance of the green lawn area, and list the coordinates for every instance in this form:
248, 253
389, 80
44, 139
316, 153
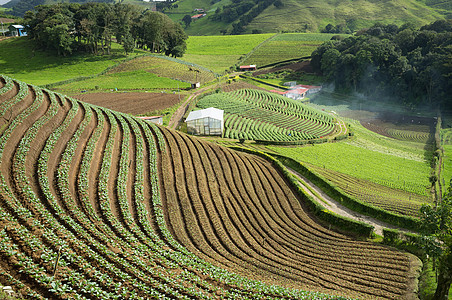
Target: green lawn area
19, 60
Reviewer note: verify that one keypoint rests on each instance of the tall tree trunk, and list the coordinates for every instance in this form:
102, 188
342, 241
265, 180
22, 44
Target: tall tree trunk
444, 278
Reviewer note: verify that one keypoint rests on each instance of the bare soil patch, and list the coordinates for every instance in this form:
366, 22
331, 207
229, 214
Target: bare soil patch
133, 103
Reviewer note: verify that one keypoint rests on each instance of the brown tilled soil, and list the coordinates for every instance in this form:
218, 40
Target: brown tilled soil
133, 102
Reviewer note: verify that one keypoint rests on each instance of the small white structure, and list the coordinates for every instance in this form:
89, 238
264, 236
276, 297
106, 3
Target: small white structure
207, 121
17, 30
153, 119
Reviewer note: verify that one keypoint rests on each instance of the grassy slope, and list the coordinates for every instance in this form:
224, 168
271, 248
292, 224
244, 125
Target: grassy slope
218, 53
313, 15
287, 46
42, 68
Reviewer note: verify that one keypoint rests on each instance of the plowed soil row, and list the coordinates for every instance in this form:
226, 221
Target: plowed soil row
105, 252
235, 211
133, 103
78, 187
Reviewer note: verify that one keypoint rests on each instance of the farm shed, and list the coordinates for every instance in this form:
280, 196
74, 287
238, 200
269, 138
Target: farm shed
198, 16
296, 94
17, 30
248, 68
153, 119
312, 89
207, 121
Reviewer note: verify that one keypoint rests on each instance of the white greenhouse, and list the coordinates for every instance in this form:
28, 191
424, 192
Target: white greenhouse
207, 121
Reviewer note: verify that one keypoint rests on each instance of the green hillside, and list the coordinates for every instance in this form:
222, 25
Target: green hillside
313, 15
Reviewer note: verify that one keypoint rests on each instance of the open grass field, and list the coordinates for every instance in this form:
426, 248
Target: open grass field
130, 210
19, 59
287, 46
218, 53
398, 171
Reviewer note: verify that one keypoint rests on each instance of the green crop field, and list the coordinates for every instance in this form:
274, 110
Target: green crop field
259, 115
396, 172
385, 172
308, 37
447, 167
135, 80
42, 68
166, 67
218, 53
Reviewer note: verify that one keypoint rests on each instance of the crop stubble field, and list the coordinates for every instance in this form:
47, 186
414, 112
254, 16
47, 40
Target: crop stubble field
131, 102
84, 182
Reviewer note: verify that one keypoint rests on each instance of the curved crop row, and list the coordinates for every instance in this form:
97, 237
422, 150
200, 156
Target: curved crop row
96, 204
234, 211
259, 115
403, 135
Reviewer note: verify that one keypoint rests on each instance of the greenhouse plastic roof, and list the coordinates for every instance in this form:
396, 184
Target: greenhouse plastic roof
210, 112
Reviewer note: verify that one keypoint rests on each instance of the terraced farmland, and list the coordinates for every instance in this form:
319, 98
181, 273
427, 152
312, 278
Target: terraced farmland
390, 199
96, 204
167, 67
259, 115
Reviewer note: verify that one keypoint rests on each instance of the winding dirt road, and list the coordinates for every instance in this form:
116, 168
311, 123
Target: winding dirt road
332, 205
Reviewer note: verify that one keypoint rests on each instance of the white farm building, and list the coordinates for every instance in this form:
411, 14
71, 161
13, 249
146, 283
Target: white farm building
207, 121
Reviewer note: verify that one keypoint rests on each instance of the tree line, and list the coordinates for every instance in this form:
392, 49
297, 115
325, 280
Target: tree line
91, 27
387, 61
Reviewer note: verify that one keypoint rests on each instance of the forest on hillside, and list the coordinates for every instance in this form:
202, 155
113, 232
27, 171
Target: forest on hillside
88, 27
391, 62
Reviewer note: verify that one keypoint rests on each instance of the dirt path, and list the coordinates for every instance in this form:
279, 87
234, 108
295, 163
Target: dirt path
332, 205
177, 116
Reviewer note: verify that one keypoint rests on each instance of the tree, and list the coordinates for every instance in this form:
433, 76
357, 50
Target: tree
278, 4
187, 20
437, 228
50, 26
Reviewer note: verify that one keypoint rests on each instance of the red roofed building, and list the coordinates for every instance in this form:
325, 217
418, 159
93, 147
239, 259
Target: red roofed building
198, 16
311, 88
248, 68
295, 94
